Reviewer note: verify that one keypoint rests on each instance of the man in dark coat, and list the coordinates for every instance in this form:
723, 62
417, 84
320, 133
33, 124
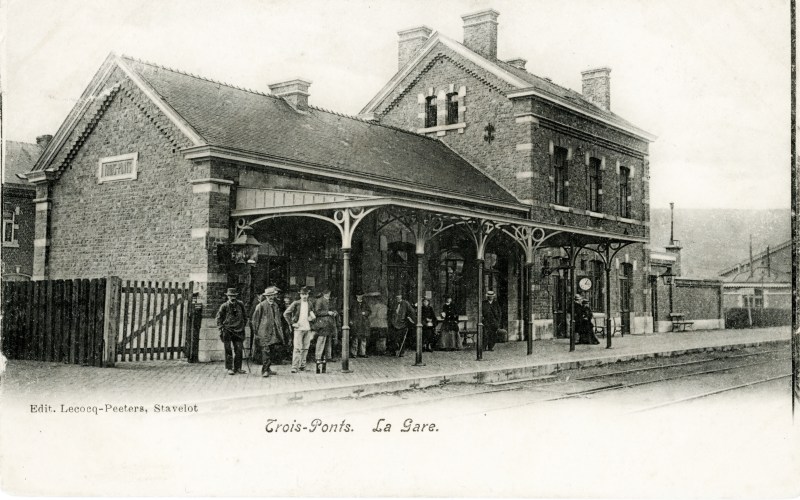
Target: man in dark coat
231, 320
491, 320
400, 313
359, 326
267, 326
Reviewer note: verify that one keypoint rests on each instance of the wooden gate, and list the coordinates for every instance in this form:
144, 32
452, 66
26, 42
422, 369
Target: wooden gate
56, 320
155, 320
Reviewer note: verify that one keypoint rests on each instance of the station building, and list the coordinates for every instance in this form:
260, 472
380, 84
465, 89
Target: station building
465, 173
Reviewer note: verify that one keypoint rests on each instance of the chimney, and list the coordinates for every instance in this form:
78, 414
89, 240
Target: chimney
409, 42
480, 33
294, 91
597, 86
517, 62
43, 140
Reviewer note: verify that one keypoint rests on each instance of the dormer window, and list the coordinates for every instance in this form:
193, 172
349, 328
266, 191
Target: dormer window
452, 108
430, 111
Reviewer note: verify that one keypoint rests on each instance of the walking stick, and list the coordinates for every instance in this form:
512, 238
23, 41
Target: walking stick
252, 334
402, 344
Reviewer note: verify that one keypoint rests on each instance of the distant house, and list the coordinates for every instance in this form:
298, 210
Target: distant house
18, 208
762, 281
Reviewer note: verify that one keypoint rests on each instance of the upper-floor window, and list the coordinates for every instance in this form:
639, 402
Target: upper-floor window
452, 108
10, 224
560, 176
624, 192
430, 111
595, 186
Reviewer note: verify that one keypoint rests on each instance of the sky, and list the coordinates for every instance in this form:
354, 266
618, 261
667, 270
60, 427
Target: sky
709, 78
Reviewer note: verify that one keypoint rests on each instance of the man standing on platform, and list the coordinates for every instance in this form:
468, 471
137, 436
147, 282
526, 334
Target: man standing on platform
491, 320
401, 313
359, 323
267, 326
300, 315
231, 319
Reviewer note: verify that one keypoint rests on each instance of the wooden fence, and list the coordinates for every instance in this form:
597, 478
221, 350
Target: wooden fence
61, 320
98, 322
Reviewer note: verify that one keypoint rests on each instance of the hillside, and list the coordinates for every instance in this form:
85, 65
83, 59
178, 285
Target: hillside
713, 239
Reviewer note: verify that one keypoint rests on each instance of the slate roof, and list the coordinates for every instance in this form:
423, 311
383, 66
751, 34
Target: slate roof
250, 121
564, 94
20, 157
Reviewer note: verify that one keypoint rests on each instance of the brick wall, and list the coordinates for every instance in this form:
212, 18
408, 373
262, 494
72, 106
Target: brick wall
20, 256
134, 229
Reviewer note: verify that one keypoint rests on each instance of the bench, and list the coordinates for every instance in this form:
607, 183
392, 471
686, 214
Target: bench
468, 337
679, 323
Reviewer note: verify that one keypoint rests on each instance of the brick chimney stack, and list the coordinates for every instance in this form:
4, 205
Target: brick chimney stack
295, 92
480, 32
597, 86
409, 42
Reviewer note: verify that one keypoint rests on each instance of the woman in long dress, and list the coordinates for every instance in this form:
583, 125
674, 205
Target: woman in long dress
429, 322
449, 338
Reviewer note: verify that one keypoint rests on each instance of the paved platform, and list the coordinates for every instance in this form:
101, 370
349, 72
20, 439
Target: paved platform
209, 384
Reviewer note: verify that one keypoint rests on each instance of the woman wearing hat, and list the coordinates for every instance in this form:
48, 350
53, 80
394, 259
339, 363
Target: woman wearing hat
429, 321
231, 319
583, 321
449, 340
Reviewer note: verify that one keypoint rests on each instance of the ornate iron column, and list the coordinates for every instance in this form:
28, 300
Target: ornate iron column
607, 251
530, 239
480, 230
424, 226
347, 220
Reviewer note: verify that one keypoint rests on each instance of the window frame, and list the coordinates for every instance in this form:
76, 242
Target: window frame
560, 176
595, 182
11, 223
624, 192
431, 112
451, 105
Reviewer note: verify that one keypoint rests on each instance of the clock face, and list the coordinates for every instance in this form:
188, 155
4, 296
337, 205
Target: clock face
585, 284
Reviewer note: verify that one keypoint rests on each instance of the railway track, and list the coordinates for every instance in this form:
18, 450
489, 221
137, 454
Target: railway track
519, 385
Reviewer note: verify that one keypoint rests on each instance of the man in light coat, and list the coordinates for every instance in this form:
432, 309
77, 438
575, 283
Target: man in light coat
300, 315
268, 328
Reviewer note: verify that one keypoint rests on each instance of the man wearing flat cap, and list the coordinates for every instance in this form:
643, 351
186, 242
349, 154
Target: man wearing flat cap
231, 319
268, 328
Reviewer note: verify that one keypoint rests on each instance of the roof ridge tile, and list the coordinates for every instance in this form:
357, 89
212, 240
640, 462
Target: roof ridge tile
199, 77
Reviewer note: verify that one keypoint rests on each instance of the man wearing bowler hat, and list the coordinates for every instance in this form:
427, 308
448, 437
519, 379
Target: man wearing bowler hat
231, 319
267, 326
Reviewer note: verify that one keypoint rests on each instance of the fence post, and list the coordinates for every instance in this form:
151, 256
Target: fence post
193, 342
111, 320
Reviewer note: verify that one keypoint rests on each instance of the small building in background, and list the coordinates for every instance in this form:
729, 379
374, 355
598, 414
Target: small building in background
18, 208
758, 291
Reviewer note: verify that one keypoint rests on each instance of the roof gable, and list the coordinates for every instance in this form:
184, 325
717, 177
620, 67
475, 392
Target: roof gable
89, 108
518, 80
